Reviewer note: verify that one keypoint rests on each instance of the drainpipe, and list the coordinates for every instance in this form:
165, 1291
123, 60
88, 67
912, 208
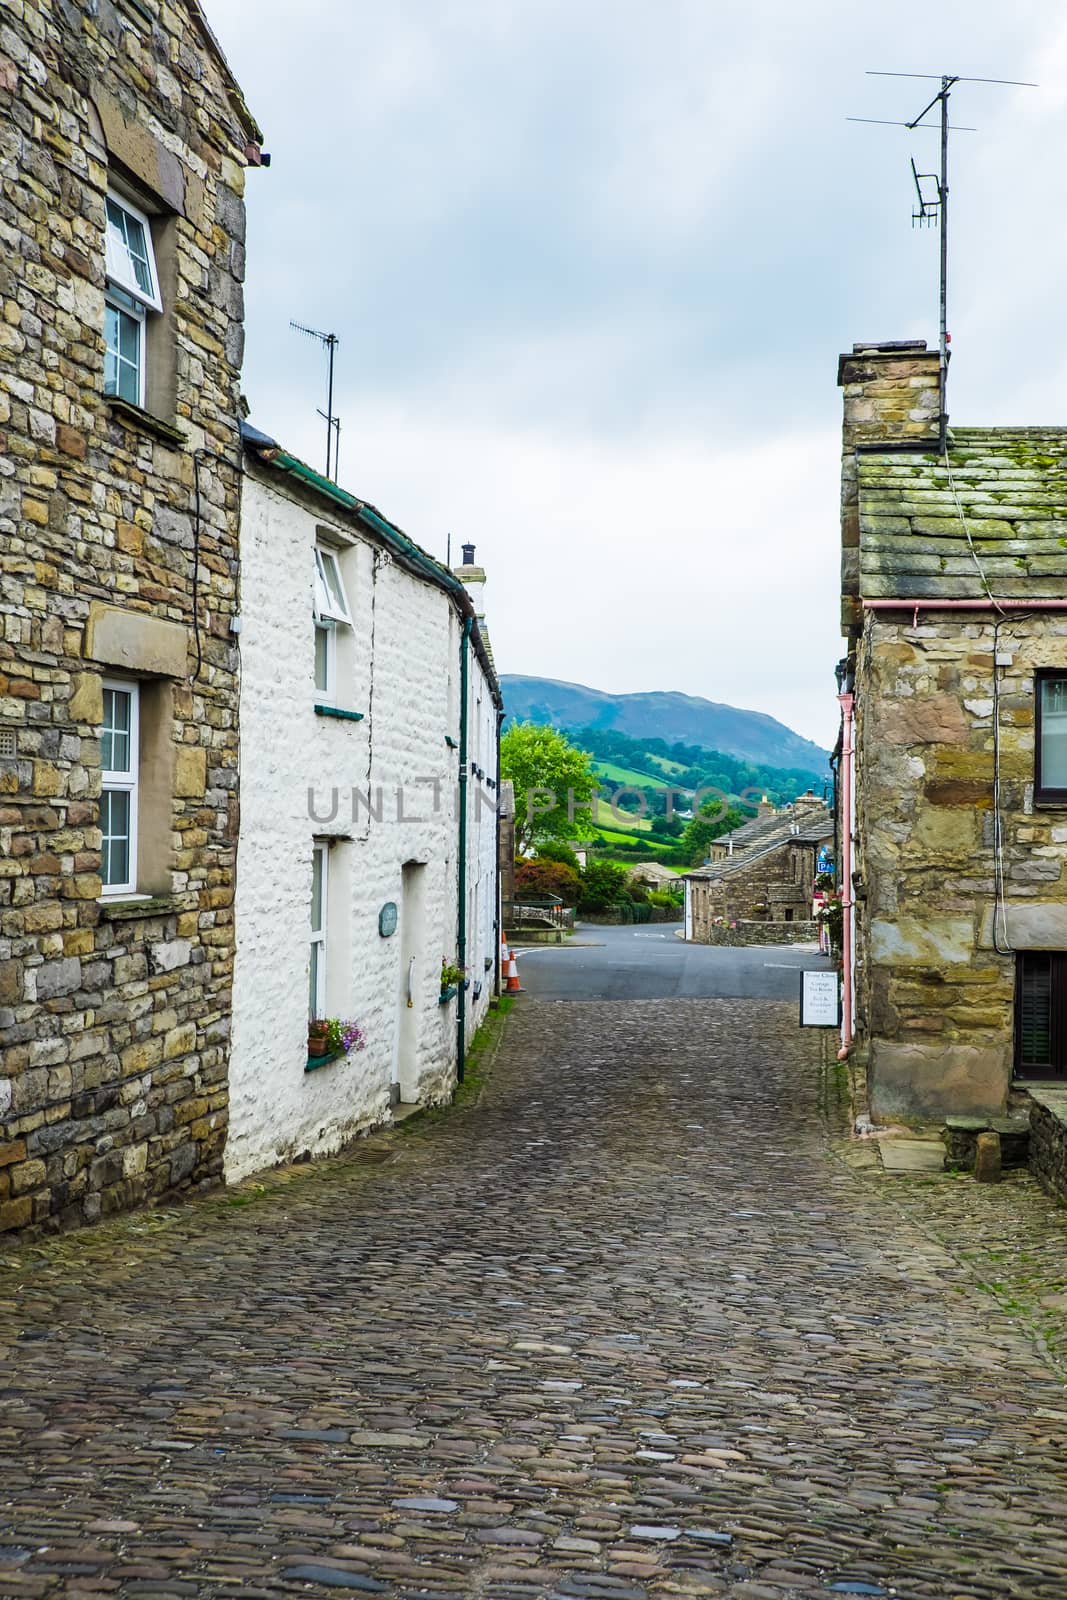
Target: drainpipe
461, 950
846, 700
498, 925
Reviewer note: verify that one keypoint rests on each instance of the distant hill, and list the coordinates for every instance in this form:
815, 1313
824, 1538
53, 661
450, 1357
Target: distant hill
662, 714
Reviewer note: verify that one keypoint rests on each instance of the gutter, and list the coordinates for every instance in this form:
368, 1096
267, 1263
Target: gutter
963, 605
404, 550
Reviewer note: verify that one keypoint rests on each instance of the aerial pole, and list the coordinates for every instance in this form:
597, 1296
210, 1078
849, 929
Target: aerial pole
329, 342
942, 431
933, 205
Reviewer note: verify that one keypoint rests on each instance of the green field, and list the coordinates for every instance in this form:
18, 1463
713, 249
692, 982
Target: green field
612, 822
670, 769
625, 775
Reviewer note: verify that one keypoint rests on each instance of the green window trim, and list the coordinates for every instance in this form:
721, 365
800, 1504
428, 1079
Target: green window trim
339, 712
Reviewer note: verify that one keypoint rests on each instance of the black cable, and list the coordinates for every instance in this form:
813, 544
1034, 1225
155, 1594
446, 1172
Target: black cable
197, 522
196, 563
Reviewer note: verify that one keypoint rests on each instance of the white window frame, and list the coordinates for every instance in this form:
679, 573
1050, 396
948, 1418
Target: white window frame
318, 939
331, 604
114, 780
118, 273
326, 694
331, 610
123, 293
136, 313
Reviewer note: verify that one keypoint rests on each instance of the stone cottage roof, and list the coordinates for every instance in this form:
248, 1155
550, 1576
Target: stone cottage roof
1007, 487
777, 836
653, 872
750, 832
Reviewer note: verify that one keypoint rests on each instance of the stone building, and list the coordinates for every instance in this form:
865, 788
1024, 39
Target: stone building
954, 745
123, 147
367, 692
760, 884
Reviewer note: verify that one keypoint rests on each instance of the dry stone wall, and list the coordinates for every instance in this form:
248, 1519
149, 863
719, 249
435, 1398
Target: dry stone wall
115, 1017
936, 999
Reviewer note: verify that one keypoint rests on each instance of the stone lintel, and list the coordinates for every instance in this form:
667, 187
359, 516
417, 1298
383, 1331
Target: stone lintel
136, 641
1028, 927
148, 161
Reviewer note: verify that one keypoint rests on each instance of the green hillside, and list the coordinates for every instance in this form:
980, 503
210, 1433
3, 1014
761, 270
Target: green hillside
663, 716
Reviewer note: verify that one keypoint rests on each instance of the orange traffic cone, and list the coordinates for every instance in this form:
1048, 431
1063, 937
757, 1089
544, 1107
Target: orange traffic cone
513, 986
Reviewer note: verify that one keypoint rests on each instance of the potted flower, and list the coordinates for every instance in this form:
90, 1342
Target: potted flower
451, 978
343, 1036
330, 1037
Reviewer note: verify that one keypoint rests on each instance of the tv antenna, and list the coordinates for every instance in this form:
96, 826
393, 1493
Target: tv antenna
335, 424
329, 342
933, 202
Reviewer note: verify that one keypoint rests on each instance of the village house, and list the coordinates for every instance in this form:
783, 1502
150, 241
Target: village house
758, 887
123, 154
368, 856
953, 754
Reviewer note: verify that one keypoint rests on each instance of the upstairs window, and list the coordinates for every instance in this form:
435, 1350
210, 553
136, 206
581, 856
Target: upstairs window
119, 741
132, 291
331, 611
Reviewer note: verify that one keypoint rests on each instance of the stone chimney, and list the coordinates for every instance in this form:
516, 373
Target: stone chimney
473, 578
892, 396
765, 809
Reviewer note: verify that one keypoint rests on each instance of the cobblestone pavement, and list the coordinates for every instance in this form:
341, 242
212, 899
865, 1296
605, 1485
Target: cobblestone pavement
631, 1327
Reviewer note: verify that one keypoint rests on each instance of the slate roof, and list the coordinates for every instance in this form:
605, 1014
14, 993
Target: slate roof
1011, 484
777, 834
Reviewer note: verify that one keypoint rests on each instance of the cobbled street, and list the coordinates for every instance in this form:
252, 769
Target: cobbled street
629, 1326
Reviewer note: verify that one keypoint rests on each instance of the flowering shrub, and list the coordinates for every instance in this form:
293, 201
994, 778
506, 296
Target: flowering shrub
343, 1035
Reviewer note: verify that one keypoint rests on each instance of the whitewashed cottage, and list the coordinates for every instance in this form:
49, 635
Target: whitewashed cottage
367, 862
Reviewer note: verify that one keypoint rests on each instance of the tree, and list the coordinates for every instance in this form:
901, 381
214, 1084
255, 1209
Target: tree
553, 780
552, 850
710, 822
603, 885
541, 878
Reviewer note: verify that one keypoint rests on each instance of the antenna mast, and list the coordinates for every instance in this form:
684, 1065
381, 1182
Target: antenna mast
329, 342
931, 209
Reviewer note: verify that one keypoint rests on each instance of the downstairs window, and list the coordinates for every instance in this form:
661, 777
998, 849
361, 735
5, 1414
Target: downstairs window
1041, 1014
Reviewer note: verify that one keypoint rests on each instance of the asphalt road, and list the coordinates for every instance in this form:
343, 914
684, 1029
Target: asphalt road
650, 963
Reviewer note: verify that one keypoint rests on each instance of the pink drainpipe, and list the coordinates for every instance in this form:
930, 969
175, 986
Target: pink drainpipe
847, 703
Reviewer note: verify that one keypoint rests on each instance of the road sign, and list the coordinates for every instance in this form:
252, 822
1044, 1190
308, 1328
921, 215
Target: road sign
820, 1000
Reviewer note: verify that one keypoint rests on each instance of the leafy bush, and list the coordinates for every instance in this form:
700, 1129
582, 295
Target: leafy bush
603, 886
665, 897
545, 877
553, 850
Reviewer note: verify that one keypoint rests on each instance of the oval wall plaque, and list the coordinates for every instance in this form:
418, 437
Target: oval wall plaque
387, 919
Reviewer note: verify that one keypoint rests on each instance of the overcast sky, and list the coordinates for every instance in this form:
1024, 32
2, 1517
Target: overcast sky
592, 262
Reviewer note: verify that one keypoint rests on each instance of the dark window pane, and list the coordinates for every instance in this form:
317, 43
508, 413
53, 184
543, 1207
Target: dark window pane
1035, 1012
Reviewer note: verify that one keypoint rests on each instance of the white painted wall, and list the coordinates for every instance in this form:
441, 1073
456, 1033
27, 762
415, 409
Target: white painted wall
399, 666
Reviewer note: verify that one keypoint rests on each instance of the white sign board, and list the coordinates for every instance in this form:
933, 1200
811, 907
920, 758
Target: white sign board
820, 1000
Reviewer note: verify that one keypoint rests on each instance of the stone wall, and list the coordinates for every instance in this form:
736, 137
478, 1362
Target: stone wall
935, 998
115, 1017
1048, 1139
382, 791
766, 933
